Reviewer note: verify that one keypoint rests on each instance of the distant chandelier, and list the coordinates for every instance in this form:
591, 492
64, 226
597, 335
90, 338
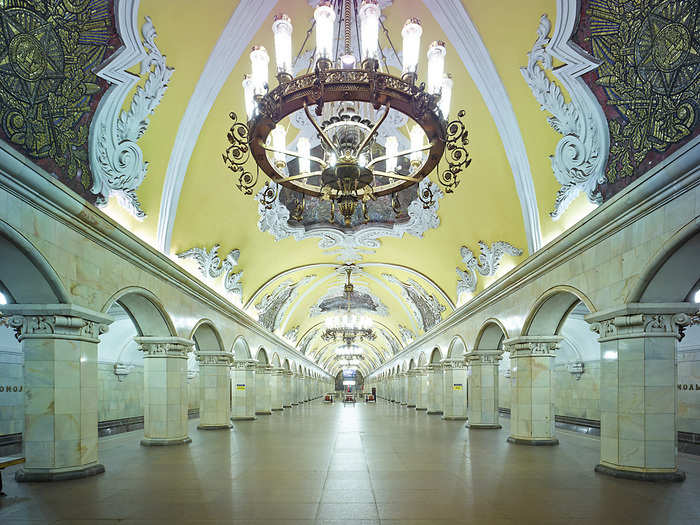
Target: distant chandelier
349, 352
350, 167
348, 327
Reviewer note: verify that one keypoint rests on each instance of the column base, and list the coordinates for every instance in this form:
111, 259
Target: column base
533, 442
32, 475
421, 408
410, 406
286, 406
243, 418
161, 442
214, 427
263, 413
277, 409
434, 412
403, 404
454, 418
477, 426
677, 475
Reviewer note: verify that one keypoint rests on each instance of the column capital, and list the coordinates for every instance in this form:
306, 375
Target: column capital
484, 357
262, 368
245, 364
287, 372
214, 358
532, 345
413, 372
54, 321
636, 320
451, 362
434, 367
154, 346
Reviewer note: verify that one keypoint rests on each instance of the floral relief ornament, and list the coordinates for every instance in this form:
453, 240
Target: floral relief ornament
486, 264
118, 166
578, 154
211, 266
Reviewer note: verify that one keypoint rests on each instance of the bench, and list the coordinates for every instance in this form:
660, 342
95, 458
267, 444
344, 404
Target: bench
8, 461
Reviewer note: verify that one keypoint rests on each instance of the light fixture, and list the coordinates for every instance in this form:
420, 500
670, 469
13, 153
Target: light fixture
345, 326
352, 93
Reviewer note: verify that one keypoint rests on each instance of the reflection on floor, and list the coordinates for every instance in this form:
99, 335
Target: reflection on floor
363, 464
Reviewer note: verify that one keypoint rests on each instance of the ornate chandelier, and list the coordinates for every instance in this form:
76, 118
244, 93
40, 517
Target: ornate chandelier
349, 352
348, 327
352, 96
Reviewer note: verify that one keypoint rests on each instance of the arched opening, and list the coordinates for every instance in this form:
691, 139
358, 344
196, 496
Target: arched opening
276, 360
120, 364
491, 337
240, 349
206, 339
25, 278
435, 356
262, 357
457, 348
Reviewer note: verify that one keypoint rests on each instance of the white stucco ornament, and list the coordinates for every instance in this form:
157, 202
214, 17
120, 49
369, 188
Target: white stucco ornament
486, 264
116, 160
352, 246
579, 158
211, 266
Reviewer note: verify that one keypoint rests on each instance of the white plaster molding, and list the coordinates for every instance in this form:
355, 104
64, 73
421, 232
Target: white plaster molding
579, 159
273, 307
426, 309
292, 334
462, 33
116, 160
407, 336
351, 247
486, 264
211, 266
233, 41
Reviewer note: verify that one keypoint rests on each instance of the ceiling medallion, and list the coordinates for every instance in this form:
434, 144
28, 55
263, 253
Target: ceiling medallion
348, 168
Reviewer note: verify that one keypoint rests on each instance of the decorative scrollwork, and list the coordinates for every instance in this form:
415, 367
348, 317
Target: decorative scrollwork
238, 153
456, 154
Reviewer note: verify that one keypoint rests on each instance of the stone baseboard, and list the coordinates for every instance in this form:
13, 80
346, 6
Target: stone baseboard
160, 442
533, 442
263, 413
410, 406
24, 475
678, 475
277, 409
243, 418
454, 418
214, 427
421, 408
477, 426
434, 412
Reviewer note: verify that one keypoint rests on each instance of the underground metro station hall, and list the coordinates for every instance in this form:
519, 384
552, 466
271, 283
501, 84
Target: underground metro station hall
350, 262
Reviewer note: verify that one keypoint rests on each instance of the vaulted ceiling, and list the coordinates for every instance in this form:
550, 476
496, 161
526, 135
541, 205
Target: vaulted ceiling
506, 194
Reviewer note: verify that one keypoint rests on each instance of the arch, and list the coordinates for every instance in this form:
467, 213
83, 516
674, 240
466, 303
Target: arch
551, 309
435, 355
276, 360
673, 272
206, 337
285, 365
422, 359
145, 310
457, 348
25, 272
491, 335
240, 349
261, 356
411, 364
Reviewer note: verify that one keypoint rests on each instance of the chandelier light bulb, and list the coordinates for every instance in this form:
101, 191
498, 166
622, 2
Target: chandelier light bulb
436, 66
304, 149
411, 33
249, 96
332, 159
369, 29
348, 61
362, 160
282, 29
446, 96
324, 15
279, 142
259, 60
391, 148
416, 143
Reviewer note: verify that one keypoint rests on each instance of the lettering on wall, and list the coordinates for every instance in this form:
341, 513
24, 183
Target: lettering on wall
15, 388
689, 386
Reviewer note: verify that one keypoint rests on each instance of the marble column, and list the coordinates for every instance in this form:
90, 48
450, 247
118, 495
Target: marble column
435, 382
422, 389
59, 343
412, 382
214, 390
454, 397
532, 407
165, 389
295, 389
287, 388
403, 381
263, 396
277, 378
243, 390
482, 374
638, 382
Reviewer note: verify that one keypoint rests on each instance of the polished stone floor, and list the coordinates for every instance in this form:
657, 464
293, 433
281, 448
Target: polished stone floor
364, 464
